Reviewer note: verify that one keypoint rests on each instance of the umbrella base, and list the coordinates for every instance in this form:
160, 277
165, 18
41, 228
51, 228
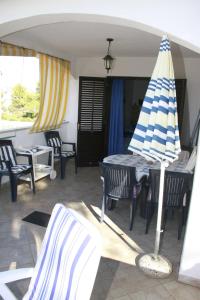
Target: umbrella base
155, 266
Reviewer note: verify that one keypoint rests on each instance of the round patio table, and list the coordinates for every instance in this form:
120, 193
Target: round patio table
142, 165
142, 168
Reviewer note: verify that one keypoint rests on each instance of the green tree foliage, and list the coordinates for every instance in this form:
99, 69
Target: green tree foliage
24, 104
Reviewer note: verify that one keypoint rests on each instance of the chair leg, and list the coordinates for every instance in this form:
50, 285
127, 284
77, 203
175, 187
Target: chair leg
186, 208
76, 163
111, 204
62, 168
13, 186
103, 208
0, 180
172, 213
142, 198
165, 219
132, 212
149, 215
49, 159
181, 221
33, 181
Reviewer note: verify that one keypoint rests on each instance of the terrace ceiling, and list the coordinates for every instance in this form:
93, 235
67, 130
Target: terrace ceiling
88, 39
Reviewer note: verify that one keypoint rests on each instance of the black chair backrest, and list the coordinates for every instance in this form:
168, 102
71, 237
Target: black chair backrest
53, 140
175, 186
118, 180
7, 153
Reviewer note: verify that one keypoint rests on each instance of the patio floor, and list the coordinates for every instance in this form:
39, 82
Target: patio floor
118, 277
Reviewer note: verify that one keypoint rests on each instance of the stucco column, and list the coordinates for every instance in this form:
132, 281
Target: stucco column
189, 271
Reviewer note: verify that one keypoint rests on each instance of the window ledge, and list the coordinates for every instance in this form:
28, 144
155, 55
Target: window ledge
4, 128
17, 127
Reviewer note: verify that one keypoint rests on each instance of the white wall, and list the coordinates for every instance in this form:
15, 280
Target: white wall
128, 66
123, 66
192, 105
179, 19
24, 138
69, 132
190, 262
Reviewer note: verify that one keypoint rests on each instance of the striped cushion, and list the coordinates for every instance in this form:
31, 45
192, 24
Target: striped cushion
55, 142
17, 169
65, 154
7, 153
68, 263
20, 168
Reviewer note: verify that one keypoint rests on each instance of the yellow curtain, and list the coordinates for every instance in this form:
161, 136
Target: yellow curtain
12, 50
54, 84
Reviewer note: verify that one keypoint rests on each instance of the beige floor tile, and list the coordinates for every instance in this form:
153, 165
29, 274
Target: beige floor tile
16, 255
153, 293
19, 288
141, 295
182, 291
116, 292
122, 298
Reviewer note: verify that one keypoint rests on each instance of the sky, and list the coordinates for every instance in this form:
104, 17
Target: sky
14, 70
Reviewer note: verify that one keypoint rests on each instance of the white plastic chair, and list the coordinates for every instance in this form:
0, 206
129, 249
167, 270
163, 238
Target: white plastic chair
68, 262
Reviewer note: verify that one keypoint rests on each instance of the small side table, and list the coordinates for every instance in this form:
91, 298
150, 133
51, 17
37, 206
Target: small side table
39, 170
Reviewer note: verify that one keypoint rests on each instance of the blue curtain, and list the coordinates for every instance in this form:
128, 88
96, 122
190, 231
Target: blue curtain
116, 126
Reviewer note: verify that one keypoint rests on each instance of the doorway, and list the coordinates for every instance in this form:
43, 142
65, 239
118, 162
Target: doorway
134, 93
95, 109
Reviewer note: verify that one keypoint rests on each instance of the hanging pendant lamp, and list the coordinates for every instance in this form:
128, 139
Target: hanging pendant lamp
108, 59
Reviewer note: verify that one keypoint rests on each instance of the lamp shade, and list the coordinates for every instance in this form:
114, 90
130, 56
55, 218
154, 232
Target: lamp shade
108, 59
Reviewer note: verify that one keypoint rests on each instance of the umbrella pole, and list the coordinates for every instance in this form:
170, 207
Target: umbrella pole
163, 165
153, 264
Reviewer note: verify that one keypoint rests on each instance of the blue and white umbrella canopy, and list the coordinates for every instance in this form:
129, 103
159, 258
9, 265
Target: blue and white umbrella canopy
156, 135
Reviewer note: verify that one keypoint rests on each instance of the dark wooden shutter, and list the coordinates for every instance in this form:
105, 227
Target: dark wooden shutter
180, 98
91, 120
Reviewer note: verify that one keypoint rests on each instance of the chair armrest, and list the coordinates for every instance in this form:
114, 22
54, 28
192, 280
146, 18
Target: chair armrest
27, 155
102, 178
71, 144
14, 275
144, 179
6, 293
23, 154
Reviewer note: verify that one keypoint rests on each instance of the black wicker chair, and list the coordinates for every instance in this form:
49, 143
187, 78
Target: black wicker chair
9, 167
177, 185
53, 140
119, 182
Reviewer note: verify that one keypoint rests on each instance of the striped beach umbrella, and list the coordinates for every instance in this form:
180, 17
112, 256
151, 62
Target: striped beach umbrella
156, 136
